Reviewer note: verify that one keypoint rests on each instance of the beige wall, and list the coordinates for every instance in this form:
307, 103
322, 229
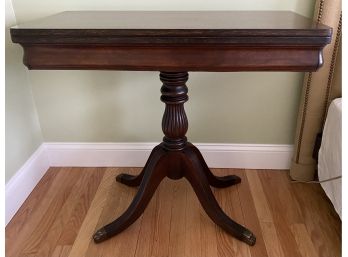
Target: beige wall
23, 134
32, 9
124, 106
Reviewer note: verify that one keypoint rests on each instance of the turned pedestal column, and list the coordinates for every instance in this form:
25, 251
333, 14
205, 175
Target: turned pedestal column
175, 158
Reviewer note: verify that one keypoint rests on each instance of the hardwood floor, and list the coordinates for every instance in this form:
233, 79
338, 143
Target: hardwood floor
69, 204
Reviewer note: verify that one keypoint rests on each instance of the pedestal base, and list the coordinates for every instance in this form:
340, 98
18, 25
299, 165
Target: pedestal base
189, 163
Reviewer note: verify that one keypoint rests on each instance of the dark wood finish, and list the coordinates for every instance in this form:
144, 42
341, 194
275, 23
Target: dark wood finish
175, 158
176, 164
174, 42
176, 58
174, 122
214, 181
199, 22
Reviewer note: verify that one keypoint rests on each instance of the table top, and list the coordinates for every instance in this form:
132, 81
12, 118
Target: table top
173, 20
173, 41
180, 26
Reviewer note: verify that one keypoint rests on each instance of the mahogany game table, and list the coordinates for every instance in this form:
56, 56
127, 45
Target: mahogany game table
174, 43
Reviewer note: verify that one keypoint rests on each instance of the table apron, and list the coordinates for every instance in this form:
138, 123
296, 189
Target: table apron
99, 57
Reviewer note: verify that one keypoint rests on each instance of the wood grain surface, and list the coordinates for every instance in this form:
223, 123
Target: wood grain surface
102, 27
69, 204
173, 41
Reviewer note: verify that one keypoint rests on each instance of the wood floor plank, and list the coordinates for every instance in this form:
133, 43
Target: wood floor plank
209, 245
88, 182
146, 235
50, 222
320, 219
49, 239
117, 201
65, 209
250, 215
272, 242
178, 221
125, 243
208, 236
292, 210
269, 232
154, 235
71, 229
61, 186
27, 210
229, 201
193, 246
88, 227
61, 251
160, 245
262, 208
304, 242
281, 203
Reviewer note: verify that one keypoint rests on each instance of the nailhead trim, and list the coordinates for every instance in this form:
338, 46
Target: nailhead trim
308, 88
332, 69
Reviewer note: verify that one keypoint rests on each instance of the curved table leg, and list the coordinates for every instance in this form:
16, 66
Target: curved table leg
175, 158
135, 180
214, 181
153, 175
195, 174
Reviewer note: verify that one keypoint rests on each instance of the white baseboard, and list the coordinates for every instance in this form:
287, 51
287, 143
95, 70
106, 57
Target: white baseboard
247, 156
98, 154
19, 187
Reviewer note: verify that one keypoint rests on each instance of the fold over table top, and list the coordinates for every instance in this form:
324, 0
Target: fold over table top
173, 40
